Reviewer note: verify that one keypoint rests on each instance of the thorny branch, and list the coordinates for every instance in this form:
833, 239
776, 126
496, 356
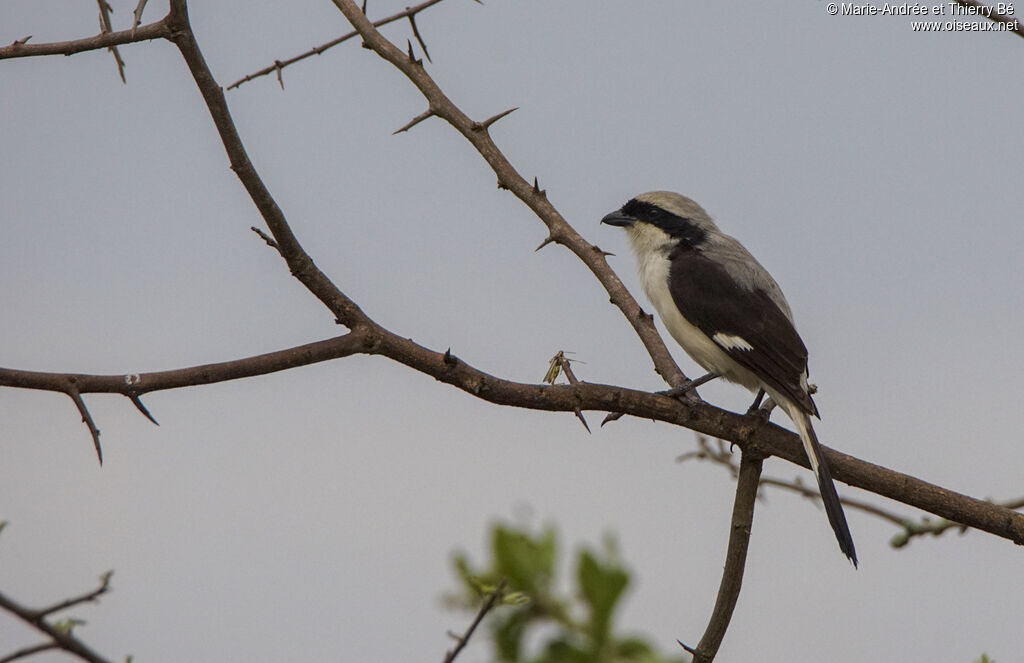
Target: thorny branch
21, 49
559, 230
461, 641
721, 456
59, 635
408, 12
367, 337
105, 28
756, 438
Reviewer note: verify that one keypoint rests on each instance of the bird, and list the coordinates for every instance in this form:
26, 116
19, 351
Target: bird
729, 315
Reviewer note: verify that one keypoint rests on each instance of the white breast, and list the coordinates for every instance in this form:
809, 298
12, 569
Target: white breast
651, 246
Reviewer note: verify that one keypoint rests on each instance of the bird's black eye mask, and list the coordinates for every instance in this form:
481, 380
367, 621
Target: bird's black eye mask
676, 226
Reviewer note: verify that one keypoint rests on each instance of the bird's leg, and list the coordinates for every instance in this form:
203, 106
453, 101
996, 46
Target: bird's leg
689, 386
757, 402
762, 412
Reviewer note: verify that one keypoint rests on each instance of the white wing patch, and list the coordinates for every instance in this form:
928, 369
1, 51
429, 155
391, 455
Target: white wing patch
731, 342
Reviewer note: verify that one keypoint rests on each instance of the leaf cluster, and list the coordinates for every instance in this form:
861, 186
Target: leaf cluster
539, 622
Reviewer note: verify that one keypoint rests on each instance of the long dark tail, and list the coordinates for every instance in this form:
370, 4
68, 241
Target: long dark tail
829, 496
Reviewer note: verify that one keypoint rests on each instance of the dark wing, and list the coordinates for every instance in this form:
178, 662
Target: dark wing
712, 300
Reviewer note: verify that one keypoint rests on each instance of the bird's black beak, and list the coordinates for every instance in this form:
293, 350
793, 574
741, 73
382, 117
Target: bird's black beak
617, 218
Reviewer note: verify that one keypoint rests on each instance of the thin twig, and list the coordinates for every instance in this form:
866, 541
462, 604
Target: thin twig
106, 28
416, 33
266, 238
927, 526
484, 609
723, 457
88, 597
735, 558
29, 651
910, 528
137, 14
317, 50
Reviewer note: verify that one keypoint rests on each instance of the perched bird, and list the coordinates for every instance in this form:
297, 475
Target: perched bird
729, 315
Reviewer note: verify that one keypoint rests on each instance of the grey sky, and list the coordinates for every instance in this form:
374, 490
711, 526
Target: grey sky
874, 170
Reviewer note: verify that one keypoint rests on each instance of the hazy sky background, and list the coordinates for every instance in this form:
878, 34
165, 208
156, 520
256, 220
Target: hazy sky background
311, 514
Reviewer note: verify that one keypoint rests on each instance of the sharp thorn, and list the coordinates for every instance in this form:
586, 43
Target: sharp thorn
689, 650
579, 415
612, 416
142, 408
486, 124
413, 122
547, 240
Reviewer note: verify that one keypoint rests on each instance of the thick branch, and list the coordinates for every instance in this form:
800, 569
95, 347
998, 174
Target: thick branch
158, 30
559, 229
704, 418
735, 557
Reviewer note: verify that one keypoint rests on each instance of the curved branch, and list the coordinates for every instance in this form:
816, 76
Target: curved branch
735, 557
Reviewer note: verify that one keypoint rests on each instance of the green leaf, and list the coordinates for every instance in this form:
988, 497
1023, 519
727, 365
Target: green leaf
563, 651
602, 586
527, 562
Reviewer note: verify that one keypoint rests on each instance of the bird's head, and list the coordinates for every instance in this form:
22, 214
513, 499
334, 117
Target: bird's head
661, 218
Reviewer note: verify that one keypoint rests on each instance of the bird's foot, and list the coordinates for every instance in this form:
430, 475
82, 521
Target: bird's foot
761, 412
688, 389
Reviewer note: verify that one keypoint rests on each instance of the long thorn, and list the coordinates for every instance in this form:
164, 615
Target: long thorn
142, 408
416, 33
486, 124
414, 121
87, 420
